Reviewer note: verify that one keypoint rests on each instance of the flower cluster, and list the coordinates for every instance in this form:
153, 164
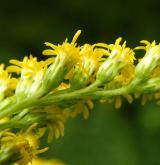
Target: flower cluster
45, 94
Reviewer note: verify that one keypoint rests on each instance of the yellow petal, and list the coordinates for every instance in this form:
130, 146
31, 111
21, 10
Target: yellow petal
118, 102
48, 52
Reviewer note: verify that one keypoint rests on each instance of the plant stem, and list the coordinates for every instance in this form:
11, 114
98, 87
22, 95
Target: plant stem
91, 91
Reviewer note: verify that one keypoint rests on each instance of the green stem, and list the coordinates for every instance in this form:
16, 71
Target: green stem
18, 107
81, 94
91, 91
33, 102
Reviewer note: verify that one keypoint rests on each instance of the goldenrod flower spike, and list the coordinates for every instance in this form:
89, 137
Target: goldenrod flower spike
48, 93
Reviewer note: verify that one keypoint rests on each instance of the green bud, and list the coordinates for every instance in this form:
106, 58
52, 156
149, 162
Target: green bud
148, 62
108, 70
119, 57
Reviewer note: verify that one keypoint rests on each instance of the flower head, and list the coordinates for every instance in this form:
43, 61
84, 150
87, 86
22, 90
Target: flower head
67, 56
120, 56
68, 52
150, 61
18, 148
121, 52
85, 71
32, 72
29, 67
7, 83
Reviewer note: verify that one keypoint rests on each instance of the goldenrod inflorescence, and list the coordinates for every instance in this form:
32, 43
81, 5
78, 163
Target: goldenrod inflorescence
47, 93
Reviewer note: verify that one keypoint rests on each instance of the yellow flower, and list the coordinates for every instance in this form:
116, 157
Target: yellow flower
67, 56
61, 87
82, 107
118, 100
127, 72
120, 57
29, 67
84, 72
32, 73
147, 46
150, 61
125, 76
55, 118
121, 52
7, 83
21, 147
67, 52
92, 53
91, 57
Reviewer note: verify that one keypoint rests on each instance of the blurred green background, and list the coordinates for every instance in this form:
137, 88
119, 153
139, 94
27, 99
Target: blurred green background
129, 136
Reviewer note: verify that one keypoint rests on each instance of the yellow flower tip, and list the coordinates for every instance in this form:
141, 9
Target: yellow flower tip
140, 47
48, 52
61, 127
82, 108
76, 36
56, 122
85, 113
145, 42
103, 45
129, 98
57, 132
54, 47
118, 102
50, 45
90, 104
41, 151
147, 45
1, 66
66, 52
121, 52
118, 40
